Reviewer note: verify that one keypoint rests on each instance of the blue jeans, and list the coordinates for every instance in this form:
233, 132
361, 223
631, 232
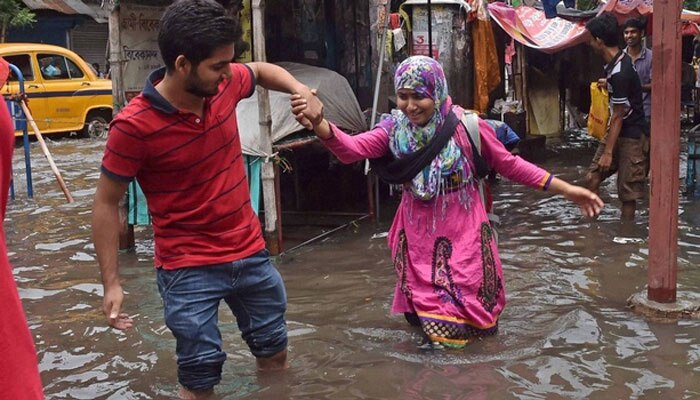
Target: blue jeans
254, 291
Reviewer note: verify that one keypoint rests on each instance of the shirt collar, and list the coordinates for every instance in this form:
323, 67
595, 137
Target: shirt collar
642, 54
618, 57
157, 100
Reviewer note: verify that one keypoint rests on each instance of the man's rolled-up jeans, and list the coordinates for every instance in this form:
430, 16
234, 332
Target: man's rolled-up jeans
255, 293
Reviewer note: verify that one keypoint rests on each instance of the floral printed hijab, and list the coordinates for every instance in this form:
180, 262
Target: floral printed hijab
425, 76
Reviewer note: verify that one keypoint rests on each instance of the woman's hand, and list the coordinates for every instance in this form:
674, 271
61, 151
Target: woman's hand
298, 104
308, 117
589, 202
309, 120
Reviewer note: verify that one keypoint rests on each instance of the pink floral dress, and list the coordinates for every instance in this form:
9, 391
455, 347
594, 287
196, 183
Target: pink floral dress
444, 252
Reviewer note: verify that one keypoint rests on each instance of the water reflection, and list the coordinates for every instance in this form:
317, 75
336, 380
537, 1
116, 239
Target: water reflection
566, 332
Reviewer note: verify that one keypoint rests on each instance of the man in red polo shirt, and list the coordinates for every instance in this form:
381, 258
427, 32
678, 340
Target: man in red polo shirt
179, 138
19, 374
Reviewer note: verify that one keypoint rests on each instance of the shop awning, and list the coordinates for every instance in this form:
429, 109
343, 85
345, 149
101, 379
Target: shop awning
624, 9
632, 8
529, 26
72, 7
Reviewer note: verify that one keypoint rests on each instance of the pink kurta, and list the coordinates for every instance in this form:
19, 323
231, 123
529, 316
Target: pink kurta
446, 259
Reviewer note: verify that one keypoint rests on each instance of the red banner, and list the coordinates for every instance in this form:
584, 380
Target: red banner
633, 8
529, 26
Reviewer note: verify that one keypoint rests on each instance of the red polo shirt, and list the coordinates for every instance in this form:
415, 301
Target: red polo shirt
191, 171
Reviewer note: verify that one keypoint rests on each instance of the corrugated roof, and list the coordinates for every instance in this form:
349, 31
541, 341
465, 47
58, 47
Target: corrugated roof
97, 10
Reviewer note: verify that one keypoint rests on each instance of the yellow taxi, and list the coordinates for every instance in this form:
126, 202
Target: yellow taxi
64, 92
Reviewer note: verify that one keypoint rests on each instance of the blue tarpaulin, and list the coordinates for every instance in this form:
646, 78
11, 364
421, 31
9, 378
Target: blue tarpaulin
138, 209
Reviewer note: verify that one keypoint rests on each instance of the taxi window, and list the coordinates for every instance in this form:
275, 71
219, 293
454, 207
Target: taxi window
52, 66
74, 71
23, 62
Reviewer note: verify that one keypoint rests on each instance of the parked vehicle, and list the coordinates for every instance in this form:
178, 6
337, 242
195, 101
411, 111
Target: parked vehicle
65, 94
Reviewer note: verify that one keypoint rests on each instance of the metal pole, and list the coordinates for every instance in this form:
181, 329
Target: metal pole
324, 234
430, 29
375, 103
25, 133
665, 145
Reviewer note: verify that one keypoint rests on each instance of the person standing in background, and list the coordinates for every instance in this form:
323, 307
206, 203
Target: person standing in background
634, 31
622, 150
99, 73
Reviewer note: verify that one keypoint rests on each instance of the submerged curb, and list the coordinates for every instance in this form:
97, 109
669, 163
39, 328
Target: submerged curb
687, 306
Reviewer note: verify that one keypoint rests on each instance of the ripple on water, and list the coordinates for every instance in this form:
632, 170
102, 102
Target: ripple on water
91, 288
41, 210
59, 246
79, 307
65, 360
36, 293
80, 256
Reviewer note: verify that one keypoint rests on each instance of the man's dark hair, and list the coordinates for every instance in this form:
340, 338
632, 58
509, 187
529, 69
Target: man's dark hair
604, 27
636, 23
195, 28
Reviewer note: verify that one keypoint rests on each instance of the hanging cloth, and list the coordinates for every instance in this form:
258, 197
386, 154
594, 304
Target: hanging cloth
487, 69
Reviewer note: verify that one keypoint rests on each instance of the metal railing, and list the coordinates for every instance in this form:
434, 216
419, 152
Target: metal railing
20, 123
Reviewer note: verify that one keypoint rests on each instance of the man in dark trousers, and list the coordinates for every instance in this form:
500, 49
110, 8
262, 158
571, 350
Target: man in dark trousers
179, 138
621, 151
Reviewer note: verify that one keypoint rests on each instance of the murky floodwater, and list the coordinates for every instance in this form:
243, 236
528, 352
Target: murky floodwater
566, 332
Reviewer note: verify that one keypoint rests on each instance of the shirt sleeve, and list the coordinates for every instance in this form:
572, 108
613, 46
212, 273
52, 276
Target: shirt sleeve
621, 86
511, 166
242, 80
348, 149
124, 152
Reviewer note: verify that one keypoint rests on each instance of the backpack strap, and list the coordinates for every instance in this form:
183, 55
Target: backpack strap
471, 124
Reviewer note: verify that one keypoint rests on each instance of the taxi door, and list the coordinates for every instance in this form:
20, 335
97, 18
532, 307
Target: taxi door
33, 87
63, 81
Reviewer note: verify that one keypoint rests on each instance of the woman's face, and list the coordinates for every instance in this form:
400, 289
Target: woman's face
418, 108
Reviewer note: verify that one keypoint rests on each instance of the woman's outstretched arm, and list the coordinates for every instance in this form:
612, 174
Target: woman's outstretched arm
519, 170
348, 149
588, 201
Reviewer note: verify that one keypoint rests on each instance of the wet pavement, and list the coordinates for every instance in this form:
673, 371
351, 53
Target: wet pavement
566, 331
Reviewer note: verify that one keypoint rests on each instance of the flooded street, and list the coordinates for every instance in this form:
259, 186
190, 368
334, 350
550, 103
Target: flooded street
566, 332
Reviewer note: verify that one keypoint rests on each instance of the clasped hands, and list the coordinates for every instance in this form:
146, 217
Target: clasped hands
307, 108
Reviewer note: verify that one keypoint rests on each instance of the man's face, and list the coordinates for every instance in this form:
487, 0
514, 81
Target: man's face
595, 44
204, 80
633, 37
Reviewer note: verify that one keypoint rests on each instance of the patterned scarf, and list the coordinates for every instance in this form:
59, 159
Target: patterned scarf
425, 76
